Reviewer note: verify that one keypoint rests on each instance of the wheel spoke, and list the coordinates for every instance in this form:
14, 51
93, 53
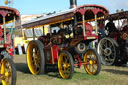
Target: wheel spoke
69, 68
110, 45
101, 49
64, 70
105, 44
94, 69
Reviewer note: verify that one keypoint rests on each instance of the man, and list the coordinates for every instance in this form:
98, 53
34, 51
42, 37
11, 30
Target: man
78, 29
10, 51
101, 28
110, 27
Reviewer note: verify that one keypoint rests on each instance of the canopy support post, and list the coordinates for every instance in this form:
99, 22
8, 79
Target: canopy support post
84, 27
96, 28
4, 26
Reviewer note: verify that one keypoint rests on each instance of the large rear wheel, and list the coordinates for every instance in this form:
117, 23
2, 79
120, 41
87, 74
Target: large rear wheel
108, 51
8, 72
93, 62
65, 65
35, 57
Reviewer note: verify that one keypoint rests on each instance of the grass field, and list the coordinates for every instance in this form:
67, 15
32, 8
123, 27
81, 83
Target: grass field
109, 75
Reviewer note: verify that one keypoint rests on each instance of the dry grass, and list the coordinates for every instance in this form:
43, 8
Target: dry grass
109, 75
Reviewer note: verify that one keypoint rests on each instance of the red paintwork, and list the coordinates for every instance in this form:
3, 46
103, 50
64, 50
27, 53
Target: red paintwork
82, 11
1, 32
4, 10
4, 13
116, 38
92, 5
95, 10
80, 64
6, 45
55, 50
79, 61
1, 38
51, 52
88, 28
88, 31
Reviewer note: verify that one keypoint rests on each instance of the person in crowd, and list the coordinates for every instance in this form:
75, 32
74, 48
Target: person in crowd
61, 30
110, 27
78, 29
124, 25
67, 30
10, 51
101, 28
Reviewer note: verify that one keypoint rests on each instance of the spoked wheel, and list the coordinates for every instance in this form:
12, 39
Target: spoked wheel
93, 63
108, 51
8, 72
35, 57
65, 65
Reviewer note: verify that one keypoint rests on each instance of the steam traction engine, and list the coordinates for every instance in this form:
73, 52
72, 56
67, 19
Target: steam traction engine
69, 46
113, 48
8, 70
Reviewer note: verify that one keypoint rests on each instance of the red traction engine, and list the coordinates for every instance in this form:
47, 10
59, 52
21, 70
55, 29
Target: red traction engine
66, 48
7, 66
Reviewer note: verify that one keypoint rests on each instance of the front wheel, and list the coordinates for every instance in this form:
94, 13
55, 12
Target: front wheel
65, 65
93, 62
8, 72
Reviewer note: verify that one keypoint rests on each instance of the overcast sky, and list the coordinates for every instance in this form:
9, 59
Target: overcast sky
46, 6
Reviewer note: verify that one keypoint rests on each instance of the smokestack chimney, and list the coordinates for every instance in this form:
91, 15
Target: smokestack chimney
73, 4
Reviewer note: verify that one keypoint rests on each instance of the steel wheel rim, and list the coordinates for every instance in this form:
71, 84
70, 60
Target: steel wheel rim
6, 71
91, 61
64, 65
33, 58
107, 51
